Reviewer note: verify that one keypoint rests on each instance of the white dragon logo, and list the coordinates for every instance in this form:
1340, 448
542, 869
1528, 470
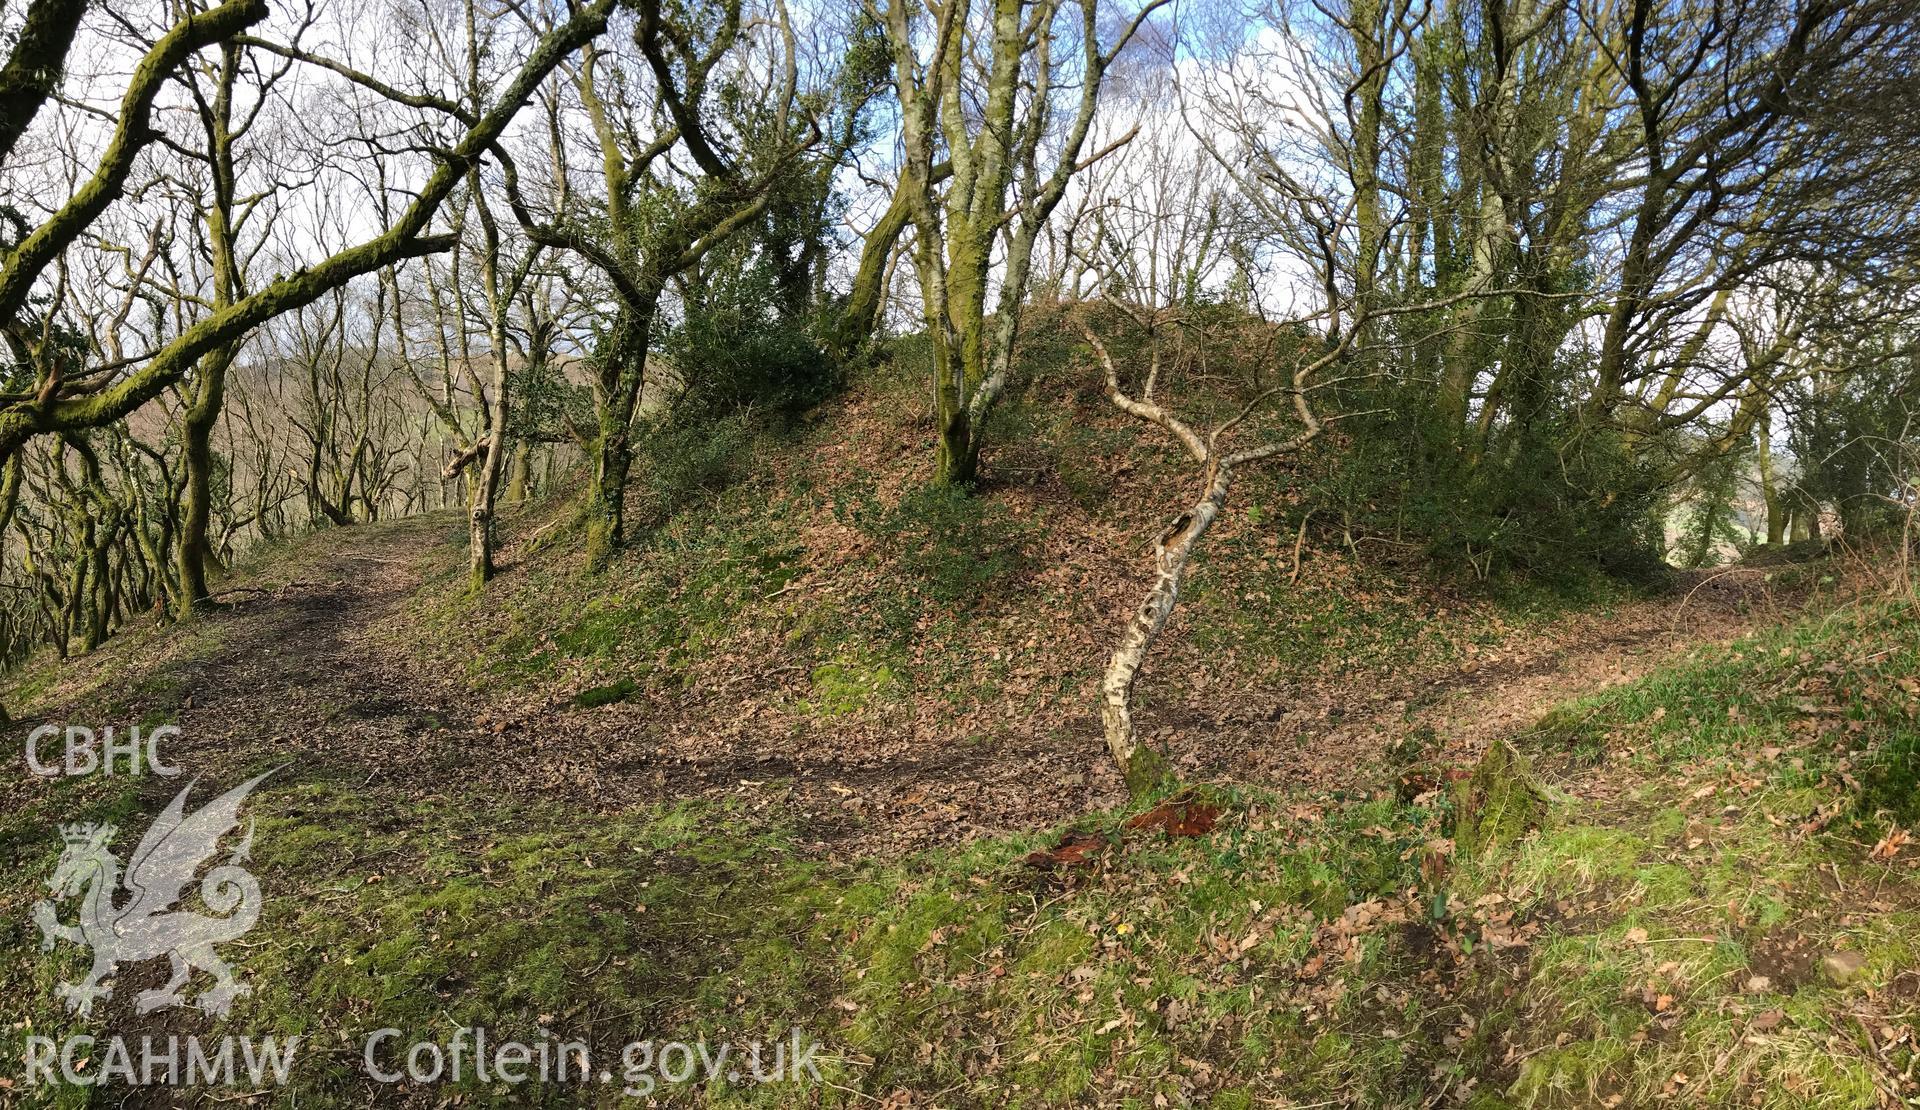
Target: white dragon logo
165, 862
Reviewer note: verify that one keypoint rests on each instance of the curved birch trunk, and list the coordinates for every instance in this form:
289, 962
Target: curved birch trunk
1144, 768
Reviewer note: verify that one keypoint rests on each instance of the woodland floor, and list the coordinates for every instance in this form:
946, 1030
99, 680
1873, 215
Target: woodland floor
306, 668
438, 851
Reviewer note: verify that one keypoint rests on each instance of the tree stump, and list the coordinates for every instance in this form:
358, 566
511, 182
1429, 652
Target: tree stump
1497, 804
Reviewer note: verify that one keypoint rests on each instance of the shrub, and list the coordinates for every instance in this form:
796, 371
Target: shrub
733, 352
684, 459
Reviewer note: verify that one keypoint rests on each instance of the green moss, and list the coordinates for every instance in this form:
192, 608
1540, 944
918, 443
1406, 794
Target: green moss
1574, 859
1667, 826
841, 689
597, 696
1890, 782
1498, 804
1663, 884
1571, 728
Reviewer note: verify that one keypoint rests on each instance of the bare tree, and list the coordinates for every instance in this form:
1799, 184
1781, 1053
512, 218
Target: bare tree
678, 174
982, 98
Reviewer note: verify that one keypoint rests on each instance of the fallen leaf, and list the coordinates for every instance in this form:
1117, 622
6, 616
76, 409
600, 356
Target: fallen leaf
1182, 816
1074, 850
1889, 845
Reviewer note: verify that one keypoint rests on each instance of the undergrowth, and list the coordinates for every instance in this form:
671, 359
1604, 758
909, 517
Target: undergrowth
1661, 938
822, 552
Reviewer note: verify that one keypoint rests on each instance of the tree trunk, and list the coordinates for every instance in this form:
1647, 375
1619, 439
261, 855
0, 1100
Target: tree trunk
606, 500
520, 474
100, 603
1769, 488
210, 389
959, 362
622, 379
480, 516
493, 457
1144, 768
196, 508
486, 480
861, 315
958, 458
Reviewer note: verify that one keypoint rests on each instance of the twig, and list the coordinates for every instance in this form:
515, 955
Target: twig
850, 1090
1299, 542
534, 536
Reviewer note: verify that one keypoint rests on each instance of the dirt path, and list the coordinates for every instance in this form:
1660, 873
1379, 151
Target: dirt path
1338, 733
303, 671
296, 674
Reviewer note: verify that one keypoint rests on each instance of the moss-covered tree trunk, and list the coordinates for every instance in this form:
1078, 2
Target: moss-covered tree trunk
648, 244
969, 250
861, 315
195, 552
500, 284
1363, 157
622, 373
486, 482
606, 498
209, 387
983, 93
520, 473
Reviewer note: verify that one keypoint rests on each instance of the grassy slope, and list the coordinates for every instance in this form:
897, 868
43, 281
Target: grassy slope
1659, 939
